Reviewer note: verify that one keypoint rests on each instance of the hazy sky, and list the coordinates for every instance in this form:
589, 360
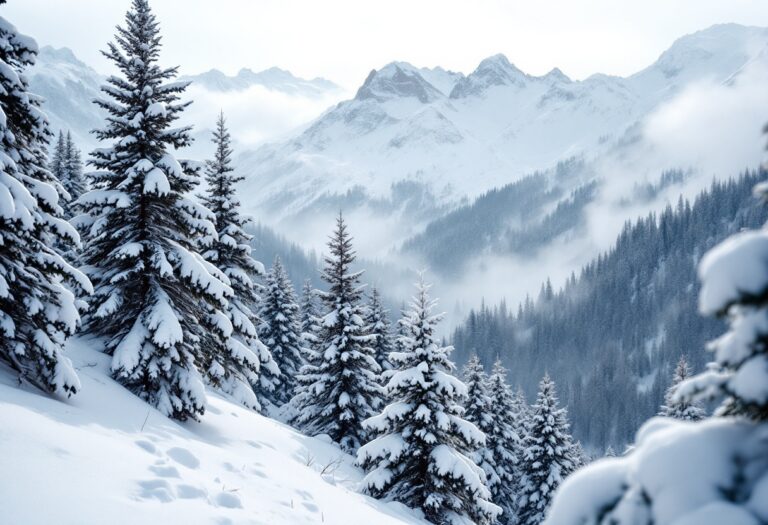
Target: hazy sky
344, 39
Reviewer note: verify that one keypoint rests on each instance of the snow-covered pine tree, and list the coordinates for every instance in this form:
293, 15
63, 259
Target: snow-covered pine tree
58, 158
37, 312
280, 331
523, 412
67, 167
422, 456
379, 326
685, 409
310, 327
503, 440
478, 411
239, 363
74, 180
548, 455
341, 391
152, 288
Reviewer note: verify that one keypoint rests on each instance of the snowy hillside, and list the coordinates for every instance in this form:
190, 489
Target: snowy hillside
453, 136
136, 466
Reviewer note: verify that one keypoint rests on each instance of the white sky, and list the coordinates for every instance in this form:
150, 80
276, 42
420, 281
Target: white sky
344, 39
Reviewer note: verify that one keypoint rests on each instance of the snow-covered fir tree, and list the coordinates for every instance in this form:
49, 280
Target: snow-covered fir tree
478, 411
523, 412
422, 456
281, 332
153, 290
380, 328
67, 167
37, 311
74, 182
341, 391
239, 363
309, 324
684, 409
504, 442
548, 455
712, 471
309, 320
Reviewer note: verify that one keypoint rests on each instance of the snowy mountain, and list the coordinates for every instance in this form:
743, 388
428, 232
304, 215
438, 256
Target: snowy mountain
261, 105
235, 467
274, 78
68, 87
451, 136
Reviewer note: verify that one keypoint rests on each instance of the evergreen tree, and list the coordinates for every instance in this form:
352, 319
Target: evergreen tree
478, 411
280, 331
37, 312
422, 455
58, 159
548, 455
67, 167
310, 338
681, 408
153, 290
378, 323
240, 362
713, 471
735, 288
309, 322
74, 181
342, 390
503, 440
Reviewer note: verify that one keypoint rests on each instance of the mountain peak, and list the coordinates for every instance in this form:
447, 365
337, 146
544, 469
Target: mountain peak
61, 54
495, 70
715, 48
274, 78
556, 75
396, 80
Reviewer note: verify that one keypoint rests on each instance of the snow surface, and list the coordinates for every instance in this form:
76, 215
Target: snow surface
105, 456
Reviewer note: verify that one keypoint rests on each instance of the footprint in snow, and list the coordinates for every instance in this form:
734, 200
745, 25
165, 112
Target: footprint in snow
229, 500
190, 492
158, 489
147, 445
183, 457
165, 472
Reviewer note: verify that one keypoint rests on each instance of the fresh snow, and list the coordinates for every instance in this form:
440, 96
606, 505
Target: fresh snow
106, 456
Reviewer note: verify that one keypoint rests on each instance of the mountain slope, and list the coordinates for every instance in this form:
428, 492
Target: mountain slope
235, 467
68, 87
612, 336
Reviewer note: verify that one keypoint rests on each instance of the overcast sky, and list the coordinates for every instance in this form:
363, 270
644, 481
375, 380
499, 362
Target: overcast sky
344, 39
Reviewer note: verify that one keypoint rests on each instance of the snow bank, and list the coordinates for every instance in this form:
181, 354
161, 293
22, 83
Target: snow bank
106, 457
713, 472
